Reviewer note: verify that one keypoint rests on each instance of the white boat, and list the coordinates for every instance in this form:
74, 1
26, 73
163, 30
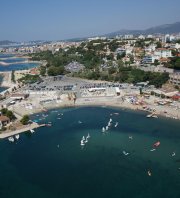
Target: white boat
82, 143
107, 128
152, 150
116, 124
109, 124
130, 137
17, 137
11, 139
149, 116
32, 131
83, 138
110, 120
103, 129
79, 122
154, 116
125, 153
173, 154
88, 136
86, 140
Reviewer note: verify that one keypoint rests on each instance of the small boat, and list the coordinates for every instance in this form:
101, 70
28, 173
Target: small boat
130, 137
103, 129
173, 154
149, 116
109, 124
154, 116
83, 138
116, 113
86, 140
156, 144
79, 122
110, 120
116, 124
149, 173
125, 153
107, 128
88, 136
17, 137
11, 139
32, 130
48, 125
152, 150
82, 143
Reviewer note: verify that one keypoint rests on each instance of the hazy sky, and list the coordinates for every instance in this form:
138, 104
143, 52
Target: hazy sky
23, 20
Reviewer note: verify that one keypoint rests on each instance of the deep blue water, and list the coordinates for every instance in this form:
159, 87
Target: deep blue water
51, 163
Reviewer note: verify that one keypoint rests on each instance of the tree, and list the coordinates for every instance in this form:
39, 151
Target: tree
159, 45
156, 62
25, 120
55, 71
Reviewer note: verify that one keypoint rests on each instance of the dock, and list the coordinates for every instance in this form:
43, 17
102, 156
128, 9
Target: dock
22, 130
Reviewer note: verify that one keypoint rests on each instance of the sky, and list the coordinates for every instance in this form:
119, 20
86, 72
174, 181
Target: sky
26, 20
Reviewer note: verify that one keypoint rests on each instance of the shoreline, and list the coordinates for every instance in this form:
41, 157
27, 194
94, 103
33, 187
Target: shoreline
120, 106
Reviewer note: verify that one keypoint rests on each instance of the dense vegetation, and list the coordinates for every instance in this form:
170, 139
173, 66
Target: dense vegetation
25, 120
29, 79
93, 55
174, 63
8, 113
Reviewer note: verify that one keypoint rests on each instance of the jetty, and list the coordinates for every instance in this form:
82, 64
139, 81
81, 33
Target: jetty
21, 130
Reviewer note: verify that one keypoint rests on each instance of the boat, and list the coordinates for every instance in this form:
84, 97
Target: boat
130, 137
82, 143
109, 124
83, 138
154, 116
156, 144
125, 153
79, 122
32, 130
107, 128
116, 113
152, 150
11, 139
103, 129
149, 116
88, 136
116, 124
86, 140
110, 120
17, 137
149, 173
49, 125
173, 154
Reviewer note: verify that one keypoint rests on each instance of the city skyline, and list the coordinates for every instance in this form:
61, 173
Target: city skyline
45, 20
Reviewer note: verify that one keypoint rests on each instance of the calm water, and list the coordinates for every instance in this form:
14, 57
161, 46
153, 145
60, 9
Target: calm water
17, 66
51, 163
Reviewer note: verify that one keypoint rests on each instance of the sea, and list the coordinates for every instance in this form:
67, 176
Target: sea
17, 66
119, 163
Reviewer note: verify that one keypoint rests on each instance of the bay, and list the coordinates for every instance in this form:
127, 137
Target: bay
52, 163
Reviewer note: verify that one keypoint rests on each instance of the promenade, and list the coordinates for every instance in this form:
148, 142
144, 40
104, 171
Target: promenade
7, 134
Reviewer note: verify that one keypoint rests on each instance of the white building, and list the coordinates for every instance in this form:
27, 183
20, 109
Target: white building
163, 53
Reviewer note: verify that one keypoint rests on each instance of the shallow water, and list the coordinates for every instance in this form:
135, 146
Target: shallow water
51, 162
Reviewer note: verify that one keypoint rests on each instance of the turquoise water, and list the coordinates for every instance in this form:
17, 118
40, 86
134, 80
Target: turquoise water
51, 162
17, 66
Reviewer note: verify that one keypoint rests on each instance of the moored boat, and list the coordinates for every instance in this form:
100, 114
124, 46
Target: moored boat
11, 139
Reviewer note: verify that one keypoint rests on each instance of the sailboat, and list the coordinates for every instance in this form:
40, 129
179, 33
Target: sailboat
32, 130
116, 124
125, 153
17, 137
11, 139
103, 129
